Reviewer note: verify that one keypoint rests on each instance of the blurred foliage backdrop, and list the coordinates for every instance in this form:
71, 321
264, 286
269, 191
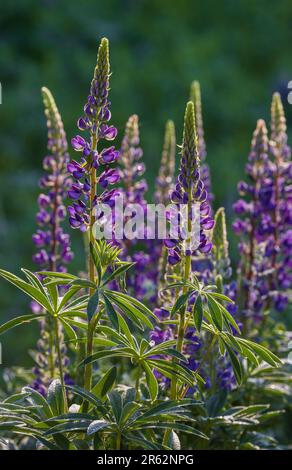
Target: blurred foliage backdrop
239, 50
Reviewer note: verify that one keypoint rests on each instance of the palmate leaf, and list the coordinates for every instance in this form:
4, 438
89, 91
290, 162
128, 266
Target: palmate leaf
96, 426
198, 312
88, 396
122, 268
92, 306
180, 302
261, 351
19, 321
215, 312
111, 313
71, 426
55, 397
117, 352
116, 404
105, 384
134, 309
152, 383
170, 370
168, 407
36, 399
29, 289
236, 365
170, 425
128, 413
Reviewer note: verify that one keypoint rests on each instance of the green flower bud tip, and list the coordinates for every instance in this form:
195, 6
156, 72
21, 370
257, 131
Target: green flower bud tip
219, 235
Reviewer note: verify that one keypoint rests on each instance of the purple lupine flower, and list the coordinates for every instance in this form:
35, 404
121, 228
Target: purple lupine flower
190, 189
253, 209
52, 242
266, 210
281, 210
96, 122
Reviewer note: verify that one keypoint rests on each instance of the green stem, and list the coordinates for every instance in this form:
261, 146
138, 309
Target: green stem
118, 441
89, 350
91, 324
58, 348
137, 386
51, 359
182, 324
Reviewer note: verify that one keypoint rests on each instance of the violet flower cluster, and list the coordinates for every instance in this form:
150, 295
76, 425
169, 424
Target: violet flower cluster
52, 242
280, 151
141, 281
96, 122
190, 189
266, 218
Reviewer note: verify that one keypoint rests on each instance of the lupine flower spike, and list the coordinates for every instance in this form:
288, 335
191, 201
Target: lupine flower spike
195, 97
164, 181
190, 189
53, 243
256, 226
281, 278
94, 167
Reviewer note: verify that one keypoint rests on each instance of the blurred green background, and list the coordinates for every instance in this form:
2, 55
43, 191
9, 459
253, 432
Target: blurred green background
240, 51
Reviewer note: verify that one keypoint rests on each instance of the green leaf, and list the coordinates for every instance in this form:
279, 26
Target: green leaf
111, 313
19, 321
198, 313
85, 283
236, 365
96, 426
88, 396
137, 303
96, 259
180, 302
126, 304
30, 290
151, 381
215, 312
56, 274
116, 404
36, 399
222, 297
68, 427
92, 305
124, 352
55, 397
70, 332
261, 351
128, 411
126, 330
118, 272
105, 384
67, 296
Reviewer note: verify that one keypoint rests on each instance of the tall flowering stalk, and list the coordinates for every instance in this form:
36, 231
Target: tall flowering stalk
141, 281
256, 226
164, 181
94, 168
195, 97
280, 151
53, 244
189, 190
